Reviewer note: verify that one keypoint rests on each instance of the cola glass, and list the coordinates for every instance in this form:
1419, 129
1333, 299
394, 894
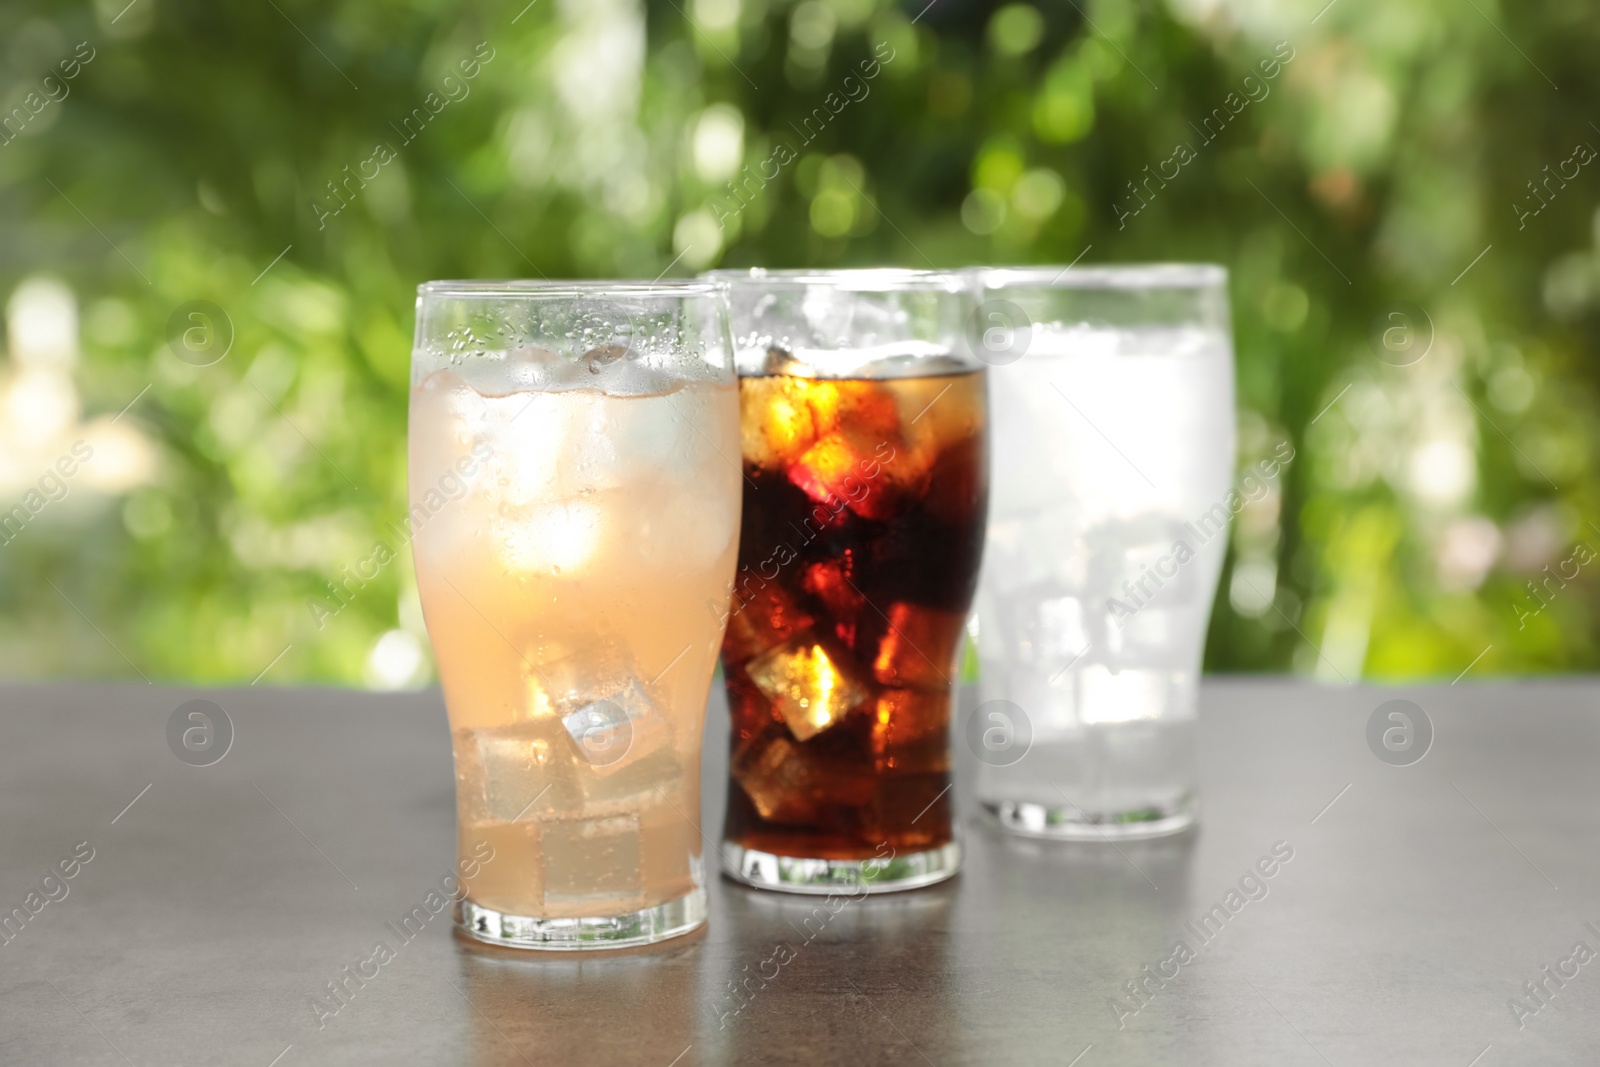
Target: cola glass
864, 441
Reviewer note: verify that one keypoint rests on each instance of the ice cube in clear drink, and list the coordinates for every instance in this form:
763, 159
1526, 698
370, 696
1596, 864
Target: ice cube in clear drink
558, 538
509, 773
609, 731
1041, 626
619, 746
577, 667
1113, 696
501, 373
512, 876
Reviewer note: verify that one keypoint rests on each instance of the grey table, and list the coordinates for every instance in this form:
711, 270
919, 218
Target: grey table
220, 900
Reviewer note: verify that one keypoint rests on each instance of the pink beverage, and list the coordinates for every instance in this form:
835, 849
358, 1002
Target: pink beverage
575, 504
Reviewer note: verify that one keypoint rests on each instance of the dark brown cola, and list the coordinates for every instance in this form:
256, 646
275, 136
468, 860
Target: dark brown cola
864, 512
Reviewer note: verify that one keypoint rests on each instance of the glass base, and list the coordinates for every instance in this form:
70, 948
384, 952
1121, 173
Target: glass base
1070, 823
793, 874
644, 927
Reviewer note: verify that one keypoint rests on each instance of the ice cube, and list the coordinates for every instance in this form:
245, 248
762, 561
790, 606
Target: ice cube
600, 732
830, 582
652, 433
513, 880
867, 407
691, 530
1046, 546
1050, 693
526, 434
501, 373
556, 538
760, 617
643, 780
605, 367
608, 731
1041, 626
1125, 696
778, 360
1151, 634
532, 367
510, 773
592, 866
919, 361
789, 783
447, 415
911, 732
780, 419
919, 648
841, 467
806, 686
935, 412
562, 674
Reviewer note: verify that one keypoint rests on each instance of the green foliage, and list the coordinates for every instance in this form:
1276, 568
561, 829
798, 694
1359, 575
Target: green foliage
1380, 158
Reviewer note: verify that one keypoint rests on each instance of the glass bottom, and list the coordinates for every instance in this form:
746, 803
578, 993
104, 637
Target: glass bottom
644, 927
1070, 823
794, 874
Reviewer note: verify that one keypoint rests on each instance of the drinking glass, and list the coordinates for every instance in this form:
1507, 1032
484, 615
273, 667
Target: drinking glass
1112, 398
865, 459
574, 506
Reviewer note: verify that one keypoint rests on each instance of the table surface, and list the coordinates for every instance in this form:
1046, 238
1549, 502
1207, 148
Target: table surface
219, 900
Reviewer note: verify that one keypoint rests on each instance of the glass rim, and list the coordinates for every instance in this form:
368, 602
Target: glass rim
848, 279
487, 288
1110, 276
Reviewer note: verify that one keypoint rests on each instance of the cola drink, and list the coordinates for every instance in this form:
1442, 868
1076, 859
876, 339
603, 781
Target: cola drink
865, 502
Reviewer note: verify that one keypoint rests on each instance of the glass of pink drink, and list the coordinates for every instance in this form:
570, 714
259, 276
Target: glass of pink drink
575, 494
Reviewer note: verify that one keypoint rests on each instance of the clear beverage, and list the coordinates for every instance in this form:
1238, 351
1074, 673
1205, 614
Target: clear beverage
865, 453
573, 509
1113, 457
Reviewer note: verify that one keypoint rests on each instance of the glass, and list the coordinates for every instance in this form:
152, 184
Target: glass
574, 507
1112, 394
866, 465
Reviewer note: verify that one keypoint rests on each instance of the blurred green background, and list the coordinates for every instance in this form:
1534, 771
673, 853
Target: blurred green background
1402, 193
